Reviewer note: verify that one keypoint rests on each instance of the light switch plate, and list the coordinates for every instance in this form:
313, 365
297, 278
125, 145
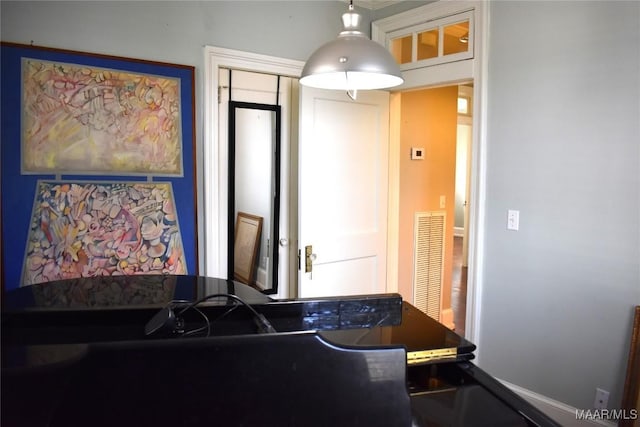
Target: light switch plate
417, 153
513, 220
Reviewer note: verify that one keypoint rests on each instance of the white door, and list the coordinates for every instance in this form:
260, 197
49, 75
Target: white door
343, 170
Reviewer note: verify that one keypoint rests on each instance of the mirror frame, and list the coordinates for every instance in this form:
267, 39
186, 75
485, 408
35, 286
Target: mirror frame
275, 220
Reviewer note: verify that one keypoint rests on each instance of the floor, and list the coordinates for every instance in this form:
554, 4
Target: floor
458, 288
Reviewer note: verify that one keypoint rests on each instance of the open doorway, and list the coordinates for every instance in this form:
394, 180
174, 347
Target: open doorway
435, 133
419, 73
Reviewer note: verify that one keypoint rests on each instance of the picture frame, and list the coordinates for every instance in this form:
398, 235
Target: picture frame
98, 228
19, 184
246, 243
84, 118
631, 394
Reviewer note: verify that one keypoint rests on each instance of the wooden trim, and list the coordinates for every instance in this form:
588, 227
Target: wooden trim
631, 394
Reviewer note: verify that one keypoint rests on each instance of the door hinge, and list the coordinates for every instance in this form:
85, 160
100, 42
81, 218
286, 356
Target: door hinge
299, 260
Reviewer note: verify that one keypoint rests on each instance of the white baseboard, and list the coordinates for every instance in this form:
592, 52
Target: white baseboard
446, 318
560, 412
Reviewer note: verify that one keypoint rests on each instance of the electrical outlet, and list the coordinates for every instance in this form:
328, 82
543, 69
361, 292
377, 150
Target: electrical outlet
602, 399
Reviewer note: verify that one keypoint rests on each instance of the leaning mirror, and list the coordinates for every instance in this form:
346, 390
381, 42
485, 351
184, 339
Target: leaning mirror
254, 192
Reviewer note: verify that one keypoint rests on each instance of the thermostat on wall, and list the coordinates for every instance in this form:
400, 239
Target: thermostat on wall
417, 153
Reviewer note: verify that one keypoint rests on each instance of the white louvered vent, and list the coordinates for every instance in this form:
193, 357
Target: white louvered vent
428, 262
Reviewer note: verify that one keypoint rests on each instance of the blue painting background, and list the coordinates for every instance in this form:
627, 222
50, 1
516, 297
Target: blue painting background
18, 191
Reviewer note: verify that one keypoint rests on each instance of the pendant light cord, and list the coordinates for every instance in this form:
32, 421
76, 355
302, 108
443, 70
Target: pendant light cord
351, 93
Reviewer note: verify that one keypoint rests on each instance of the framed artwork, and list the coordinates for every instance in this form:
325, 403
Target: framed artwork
81, 119
247, 240
86, 229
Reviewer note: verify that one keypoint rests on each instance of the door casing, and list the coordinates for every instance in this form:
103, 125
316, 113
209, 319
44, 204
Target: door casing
473, 69
215, 174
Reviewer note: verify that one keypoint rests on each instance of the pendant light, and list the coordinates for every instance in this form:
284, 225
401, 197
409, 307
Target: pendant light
351, 62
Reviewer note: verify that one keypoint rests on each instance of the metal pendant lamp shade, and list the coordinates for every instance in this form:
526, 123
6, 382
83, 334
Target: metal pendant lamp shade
351, 62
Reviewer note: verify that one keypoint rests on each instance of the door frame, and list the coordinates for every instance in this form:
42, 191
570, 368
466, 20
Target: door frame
216, 163
454, 73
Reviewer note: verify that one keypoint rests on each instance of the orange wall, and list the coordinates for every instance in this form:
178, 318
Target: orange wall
428, 120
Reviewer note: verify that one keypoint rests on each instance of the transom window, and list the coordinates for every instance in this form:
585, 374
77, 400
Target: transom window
435, 42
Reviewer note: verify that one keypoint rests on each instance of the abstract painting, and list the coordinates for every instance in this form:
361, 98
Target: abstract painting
86, 229
90, 120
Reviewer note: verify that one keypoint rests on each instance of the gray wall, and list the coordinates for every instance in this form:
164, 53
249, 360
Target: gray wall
176, 32
564, 149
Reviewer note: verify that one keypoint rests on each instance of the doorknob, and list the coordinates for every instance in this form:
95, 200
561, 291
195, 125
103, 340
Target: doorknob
284, 242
